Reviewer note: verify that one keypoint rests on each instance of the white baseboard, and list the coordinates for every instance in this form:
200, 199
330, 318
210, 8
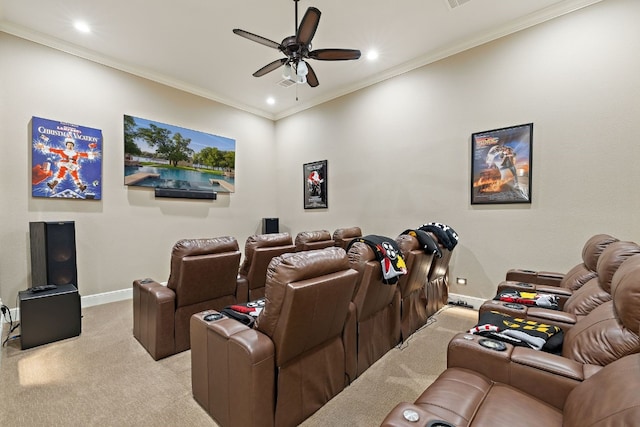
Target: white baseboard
106, 297
86, 301
473, 301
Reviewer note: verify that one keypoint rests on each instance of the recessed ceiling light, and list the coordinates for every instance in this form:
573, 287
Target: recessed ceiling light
271, 100
83, 27
372, 55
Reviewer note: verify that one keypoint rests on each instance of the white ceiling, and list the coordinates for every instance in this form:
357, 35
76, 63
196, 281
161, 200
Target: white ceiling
189, 44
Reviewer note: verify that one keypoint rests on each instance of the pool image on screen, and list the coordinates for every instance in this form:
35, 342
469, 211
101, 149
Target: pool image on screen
162, 156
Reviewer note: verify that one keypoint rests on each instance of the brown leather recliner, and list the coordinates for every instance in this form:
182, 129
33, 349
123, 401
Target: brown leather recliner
375, 312
606, 334
525, 394
203, 276
293, 361
309, 240
584, 299
576, 276
259, 250
437, 288
343, 236
413, 299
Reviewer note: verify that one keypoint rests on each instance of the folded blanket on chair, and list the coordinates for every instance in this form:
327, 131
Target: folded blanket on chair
445, 234
388, 253
519, 332
245, 313
528, 298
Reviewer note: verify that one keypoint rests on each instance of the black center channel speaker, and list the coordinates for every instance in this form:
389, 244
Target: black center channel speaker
270, 225
53, 253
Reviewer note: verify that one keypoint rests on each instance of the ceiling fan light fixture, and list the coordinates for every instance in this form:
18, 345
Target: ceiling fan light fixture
286, 73
297, 48
301, 69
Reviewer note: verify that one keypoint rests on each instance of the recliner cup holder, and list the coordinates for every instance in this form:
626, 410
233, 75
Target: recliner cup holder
492, 344
525, 285
413, 417
213, 316
515, 306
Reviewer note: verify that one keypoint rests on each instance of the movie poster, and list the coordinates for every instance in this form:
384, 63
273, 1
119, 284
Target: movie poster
315, 185
66, 160
501, 165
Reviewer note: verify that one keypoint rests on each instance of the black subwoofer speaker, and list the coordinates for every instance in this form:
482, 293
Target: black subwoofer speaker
270, 225
53, 253
49, 316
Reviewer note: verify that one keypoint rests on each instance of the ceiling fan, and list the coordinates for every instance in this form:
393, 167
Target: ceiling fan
297, 49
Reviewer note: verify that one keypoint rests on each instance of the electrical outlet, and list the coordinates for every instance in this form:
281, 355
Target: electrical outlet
461, 281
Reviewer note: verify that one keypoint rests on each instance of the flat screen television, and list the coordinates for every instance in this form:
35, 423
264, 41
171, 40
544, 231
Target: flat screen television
176, 161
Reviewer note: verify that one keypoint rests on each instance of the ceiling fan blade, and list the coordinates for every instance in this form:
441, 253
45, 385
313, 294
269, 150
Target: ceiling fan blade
334, 54
308, 26
270, 67
312, 79
256, 38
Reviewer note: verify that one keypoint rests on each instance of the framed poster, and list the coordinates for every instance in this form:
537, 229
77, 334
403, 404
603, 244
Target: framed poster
315, 184
501, 165
160, 155
66, 160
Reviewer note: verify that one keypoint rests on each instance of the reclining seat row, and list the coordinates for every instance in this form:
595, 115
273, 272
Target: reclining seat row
203, 275
610, 331
374, 326
488, 383
437, 288
293, 361
582, 301
574, 278
413, 296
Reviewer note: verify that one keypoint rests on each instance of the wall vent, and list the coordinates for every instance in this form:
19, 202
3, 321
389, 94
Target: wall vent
455, 3
286, 83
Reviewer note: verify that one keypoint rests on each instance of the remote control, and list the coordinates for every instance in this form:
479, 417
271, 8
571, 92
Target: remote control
42, 288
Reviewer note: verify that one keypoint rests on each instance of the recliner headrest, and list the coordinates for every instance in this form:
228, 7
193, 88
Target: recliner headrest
263, 241
625, 290
347, 233
611, 259
188, 247
593, 249
312, 236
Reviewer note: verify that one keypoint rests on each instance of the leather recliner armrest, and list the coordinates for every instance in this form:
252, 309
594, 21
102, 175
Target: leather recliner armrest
534, 277
546, 376
154, 308
242, 289
233, 374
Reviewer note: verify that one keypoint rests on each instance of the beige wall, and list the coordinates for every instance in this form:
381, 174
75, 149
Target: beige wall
128, 234
398, 152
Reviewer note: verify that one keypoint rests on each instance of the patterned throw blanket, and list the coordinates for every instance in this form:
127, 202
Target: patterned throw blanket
519, 332
445, 234
388, 253
528, 298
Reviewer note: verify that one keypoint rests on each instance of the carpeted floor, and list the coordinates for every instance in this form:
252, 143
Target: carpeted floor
105, 378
